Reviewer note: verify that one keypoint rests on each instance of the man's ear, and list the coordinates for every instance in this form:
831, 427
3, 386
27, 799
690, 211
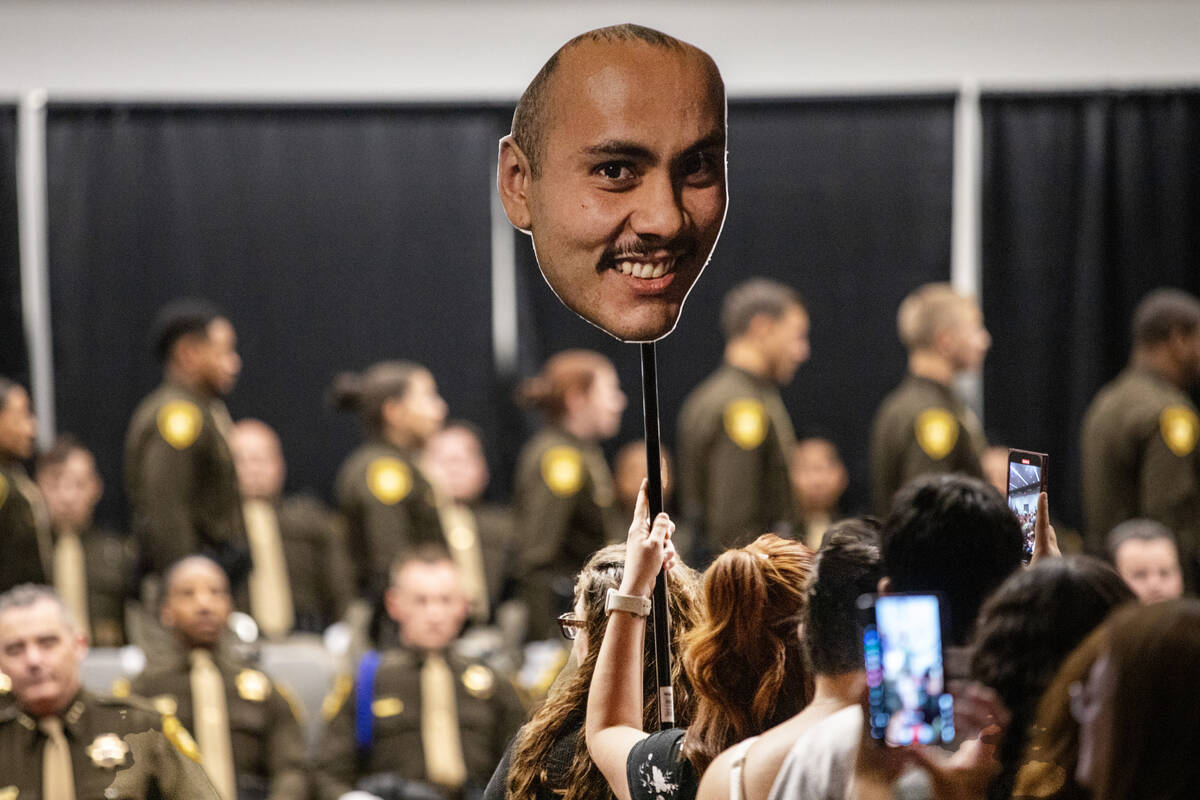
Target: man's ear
885, 585
391, 603
513, 177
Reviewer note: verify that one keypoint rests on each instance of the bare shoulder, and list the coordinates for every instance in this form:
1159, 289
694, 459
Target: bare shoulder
714, 785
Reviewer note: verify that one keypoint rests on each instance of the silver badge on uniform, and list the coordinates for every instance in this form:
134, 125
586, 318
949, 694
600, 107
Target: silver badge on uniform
108, 750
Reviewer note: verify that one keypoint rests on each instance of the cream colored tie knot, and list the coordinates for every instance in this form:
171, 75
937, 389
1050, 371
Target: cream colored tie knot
58, 779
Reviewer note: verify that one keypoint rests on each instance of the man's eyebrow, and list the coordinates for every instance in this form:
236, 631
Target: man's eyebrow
619, 147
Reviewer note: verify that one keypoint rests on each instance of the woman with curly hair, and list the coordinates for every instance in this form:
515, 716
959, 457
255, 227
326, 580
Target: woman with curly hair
548, 758
743, 660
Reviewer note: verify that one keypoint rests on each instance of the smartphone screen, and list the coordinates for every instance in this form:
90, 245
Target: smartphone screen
1026, 480
906, 682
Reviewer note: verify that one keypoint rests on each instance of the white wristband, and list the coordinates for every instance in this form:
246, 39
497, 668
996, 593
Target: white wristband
632, 603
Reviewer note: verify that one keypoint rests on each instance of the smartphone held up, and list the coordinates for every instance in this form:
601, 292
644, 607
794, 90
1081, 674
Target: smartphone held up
1027, 473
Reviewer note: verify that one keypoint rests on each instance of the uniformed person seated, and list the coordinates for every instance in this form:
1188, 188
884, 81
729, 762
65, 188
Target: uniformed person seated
418, 720
735, 435
246, 725
179, 473
24, 521
59, 741
923, 426
93, 569
819, 479
300, 581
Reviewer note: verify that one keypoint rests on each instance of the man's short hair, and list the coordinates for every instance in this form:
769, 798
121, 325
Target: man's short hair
29, 594
846, 568
179, 318
64, 445
179, 563
926, 311
955, 535
756, 296
1162, 313
529, 119
428, 554
1143, 530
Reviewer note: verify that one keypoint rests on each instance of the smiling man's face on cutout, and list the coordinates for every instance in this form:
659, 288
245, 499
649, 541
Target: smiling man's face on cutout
625, 194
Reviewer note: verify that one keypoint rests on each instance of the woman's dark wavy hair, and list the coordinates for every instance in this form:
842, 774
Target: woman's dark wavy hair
559, 722
744, 658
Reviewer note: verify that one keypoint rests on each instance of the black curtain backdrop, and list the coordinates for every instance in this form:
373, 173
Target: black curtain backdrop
14, 358
1089, 201
849, 201
333, 237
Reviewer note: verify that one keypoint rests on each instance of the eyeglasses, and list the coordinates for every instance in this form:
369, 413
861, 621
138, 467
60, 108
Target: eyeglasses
569, 625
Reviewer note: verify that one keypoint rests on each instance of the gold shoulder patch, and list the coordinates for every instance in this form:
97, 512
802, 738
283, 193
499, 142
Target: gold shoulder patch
562, 470
3, 497
1180, 429
178, 736
479, 681
9, 793
165, 704
333, 702
180, 422
390, 480
937, 432
746, 422
121, 688
293, 702
387, 706
252, 685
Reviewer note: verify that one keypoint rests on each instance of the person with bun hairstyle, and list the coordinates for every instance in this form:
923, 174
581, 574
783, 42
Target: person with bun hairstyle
388, 503
564, 489
743, 659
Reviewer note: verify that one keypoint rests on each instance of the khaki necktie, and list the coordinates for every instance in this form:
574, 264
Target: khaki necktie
270, 591
439, 724
58, 780
462, 534
70, 575
212, 723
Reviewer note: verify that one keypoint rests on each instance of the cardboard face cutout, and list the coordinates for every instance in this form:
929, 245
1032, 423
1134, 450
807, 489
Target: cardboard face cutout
616, 167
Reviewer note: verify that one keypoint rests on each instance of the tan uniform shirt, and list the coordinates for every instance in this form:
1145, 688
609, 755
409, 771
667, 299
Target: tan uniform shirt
121, 749
922, 427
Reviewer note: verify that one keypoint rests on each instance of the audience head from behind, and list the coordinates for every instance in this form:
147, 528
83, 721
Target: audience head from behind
847, 566
1136, 707
941, 326
397, 401
258, 459
578, 391
70, 483
196, 602
197, 346
1025, 631
18, 425
1166, 335
1146, 556
818, 474
744, 659
426, 598
954, 535
41, 649
765, 325
550, 754
454, 461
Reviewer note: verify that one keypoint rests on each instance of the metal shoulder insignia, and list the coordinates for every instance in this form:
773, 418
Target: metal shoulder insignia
937, 432
1180, 429
745, 422
562, 470
389, 480
178, 736
9, 793
343, 685
252, 685
387, 707
165, 704
121, 687
180, 422
479, 681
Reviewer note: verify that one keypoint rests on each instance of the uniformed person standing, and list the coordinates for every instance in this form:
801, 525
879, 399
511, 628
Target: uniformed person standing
923, 426
24, 521
300, 580
179, 473
1140, 433
564, 494
479, 534
247, 726
59, 741
735, 435
388, 503
419, 717
93, 569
